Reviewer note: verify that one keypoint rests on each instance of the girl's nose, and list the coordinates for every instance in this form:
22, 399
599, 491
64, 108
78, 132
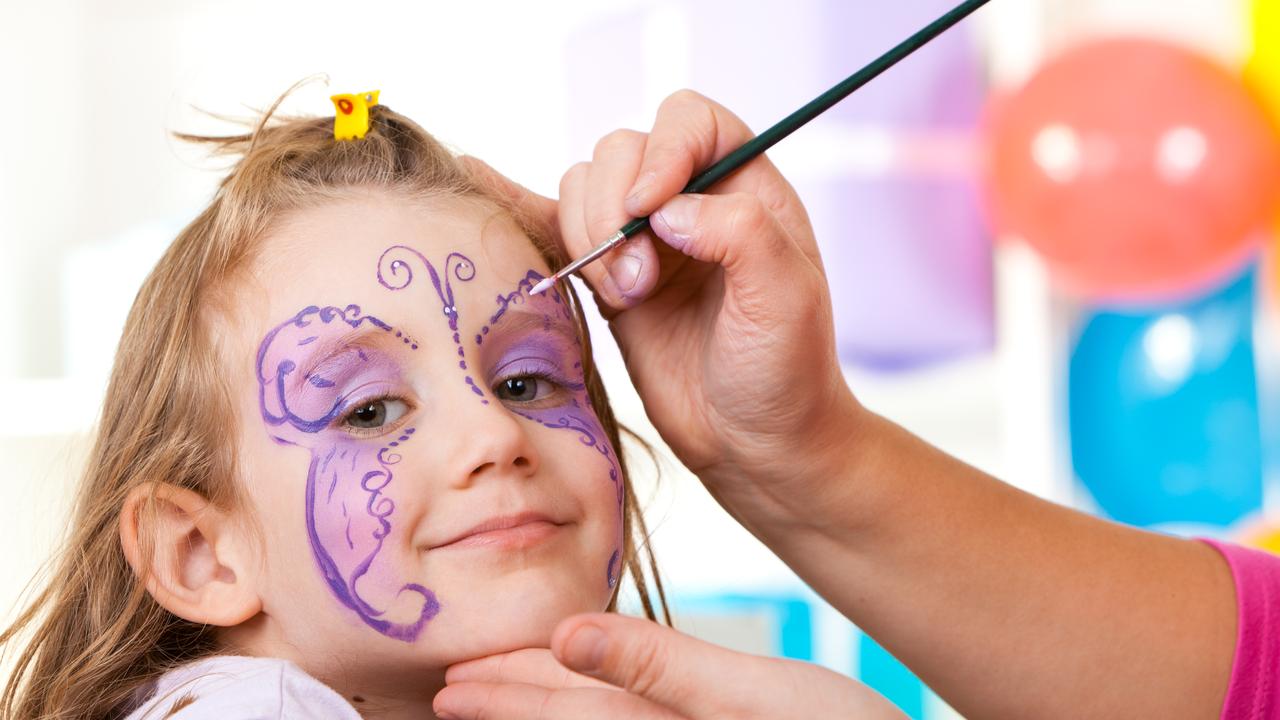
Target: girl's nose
491, 441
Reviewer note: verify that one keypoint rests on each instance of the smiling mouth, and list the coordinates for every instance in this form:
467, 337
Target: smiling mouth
506, 533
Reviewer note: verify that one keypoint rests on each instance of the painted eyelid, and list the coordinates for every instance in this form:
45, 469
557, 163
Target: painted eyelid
342, 369
529, 365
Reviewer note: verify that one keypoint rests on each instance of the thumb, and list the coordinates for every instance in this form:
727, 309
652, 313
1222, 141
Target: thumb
657, 663
536, 209
734, 230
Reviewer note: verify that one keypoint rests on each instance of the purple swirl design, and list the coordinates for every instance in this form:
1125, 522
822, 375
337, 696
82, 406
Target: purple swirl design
395, 273
611, 572
518, 296
348, 514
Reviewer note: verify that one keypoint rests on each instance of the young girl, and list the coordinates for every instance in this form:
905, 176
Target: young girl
342, 448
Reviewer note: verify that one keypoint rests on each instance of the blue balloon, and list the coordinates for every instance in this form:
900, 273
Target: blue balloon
1163, 411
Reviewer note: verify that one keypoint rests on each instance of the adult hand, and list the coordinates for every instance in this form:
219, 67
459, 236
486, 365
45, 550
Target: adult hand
608, 665
722, 312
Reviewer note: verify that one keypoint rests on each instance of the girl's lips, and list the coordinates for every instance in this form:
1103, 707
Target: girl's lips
505, 532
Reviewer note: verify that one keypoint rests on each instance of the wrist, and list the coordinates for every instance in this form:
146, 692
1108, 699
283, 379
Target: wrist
807, 480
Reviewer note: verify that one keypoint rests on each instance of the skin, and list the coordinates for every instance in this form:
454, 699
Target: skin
1007, 605
336, 564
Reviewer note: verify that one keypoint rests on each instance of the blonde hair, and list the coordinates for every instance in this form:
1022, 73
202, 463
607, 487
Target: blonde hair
95, 634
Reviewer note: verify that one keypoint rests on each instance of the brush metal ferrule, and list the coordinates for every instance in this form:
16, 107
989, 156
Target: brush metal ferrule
614, 240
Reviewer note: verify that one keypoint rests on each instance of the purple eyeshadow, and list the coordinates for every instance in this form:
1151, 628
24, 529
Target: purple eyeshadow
324, 395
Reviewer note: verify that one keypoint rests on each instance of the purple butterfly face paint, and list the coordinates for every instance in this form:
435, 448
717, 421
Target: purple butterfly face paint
357, 517
312, 372
542, 345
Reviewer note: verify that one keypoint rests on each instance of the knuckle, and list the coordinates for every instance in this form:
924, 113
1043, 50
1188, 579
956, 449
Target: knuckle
688, 128
646, 668
749, 220
683, 97
746, 215
616, 140
574, 174
544, 708
488, 709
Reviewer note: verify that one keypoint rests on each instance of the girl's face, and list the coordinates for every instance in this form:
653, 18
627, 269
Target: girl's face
417, 442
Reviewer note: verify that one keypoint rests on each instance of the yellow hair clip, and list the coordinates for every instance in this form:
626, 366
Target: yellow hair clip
351, 121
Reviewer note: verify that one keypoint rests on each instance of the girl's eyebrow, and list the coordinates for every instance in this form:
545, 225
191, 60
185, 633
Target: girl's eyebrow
324, 353
521, 321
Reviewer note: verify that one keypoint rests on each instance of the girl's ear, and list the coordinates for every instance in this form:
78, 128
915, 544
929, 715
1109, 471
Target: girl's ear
196, 561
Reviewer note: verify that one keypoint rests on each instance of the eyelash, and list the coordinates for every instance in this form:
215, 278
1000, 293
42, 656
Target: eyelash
556, 384
387, 429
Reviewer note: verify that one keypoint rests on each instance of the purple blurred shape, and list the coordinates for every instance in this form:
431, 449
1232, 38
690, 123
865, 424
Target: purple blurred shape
909, 266
903, 242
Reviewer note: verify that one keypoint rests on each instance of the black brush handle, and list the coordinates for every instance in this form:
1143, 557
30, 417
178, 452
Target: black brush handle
767, 139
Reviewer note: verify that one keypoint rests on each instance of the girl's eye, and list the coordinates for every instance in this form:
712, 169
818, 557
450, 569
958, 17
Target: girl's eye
376, 413
523, 388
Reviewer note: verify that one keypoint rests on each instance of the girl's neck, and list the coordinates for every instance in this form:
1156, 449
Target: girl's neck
380, 705
381, 694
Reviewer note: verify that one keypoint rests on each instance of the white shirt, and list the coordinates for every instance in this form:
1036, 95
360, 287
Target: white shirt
229, 687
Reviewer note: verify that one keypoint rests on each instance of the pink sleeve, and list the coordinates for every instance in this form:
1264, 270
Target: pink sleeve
1254, 692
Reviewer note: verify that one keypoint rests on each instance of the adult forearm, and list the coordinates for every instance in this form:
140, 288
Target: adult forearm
1005, 604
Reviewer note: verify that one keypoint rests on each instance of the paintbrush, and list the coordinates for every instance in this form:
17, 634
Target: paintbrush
765, 140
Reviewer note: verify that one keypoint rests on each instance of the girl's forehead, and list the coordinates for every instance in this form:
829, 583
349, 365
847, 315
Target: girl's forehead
339, 243
339, 253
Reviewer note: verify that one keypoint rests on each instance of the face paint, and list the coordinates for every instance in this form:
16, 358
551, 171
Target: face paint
348, 512
577, 415
462, 269
517, 297
541, 355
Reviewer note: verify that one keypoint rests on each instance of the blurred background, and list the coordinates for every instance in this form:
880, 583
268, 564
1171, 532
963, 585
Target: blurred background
1049, 233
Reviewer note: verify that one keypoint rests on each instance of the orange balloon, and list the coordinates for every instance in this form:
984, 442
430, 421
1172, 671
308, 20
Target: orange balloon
1139, 170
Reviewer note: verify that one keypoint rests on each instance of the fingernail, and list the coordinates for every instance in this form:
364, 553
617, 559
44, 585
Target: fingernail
625, 271
610, 293
585, 648
675, 220
634, 203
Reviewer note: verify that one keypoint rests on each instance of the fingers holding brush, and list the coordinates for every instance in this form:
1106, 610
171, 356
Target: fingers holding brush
690, 133
630, 269
632, 174
575, 238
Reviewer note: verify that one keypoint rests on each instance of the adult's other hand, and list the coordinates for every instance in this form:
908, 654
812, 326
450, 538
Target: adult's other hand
608, 665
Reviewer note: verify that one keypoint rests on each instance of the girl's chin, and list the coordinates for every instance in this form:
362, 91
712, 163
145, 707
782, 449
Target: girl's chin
473, 636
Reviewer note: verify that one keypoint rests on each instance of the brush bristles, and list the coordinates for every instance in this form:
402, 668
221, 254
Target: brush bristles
542, 285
